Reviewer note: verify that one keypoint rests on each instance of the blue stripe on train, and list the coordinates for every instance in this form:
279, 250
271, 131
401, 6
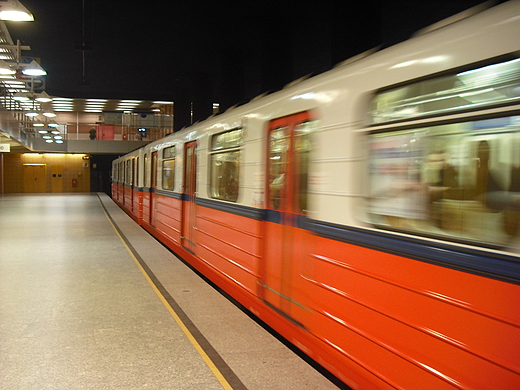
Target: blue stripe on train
497, 266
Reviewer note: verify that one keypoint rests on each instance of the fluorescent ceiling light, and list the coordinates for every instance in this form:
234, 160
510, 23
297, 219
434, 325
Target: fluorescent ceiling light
13, 83
43, 97
13, 10
34, 69
21, 97
5, 68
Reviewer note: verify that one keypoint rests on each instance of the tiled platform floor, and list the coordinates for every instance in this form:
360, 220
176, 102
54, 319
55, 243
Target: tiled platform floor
77, 311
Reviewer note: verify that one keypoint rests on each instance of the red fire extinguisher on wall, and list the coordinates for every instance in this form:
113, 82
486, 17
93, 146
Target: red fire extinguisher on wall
74, 183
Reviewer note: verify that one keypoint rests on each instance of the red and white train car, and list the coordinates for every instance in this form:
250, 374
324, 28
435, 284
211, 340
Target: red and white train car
371, 214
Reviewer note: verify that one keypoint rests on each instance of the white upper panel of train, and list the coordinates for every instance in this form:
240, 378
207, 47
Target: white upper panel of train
340, 101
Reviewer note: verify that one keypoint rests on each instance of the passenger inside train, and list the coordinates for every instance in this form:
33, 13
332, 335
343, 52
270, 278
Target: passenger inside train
457, 180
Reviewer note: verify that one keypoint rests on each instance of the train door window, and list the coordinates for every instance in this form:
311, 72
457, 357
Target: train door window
190, 183
277, 164
302, 148
136, 172
224, 165
153, 181
459, 181
145, 173
289, 151
122, 172
168, 168
128, 173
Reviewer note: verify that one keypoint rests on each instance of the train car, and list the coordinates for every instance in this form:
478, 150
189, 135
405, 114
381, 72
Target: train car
370, 214
125, 190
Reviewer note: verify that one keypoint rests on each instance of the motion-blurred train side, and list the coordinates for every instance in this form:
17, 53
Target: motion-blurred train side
370, 214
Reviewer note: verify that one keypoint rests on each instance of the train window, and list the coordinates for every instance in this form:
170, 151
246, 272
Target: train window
168, 168
224, 165
136, 172
460, 181
279, 140
302, 149
497, 83
227, 140
128, 176
121, 173
145, 174
169, 152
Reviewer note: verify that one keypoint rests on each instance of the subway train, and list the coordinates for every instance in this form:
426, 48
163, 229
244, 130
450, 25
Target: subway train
369, 214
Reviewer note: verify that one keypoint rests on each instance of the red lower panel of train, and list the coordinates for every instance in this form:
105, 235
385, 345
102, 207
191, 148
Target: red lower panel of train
374, 319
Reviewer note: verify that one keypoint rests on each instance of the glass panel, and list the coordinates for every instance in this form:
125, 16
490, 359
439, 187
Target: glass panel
224, 179
278, 148
459, 180
498, 83
128, 172
224, 175
145, 177
187, 175
302, 146
229, 139
136, 172
169, 152
154, 171
168, 174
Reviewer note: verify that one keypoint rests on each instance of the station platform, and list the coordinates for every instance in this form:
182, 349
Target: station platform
89, 300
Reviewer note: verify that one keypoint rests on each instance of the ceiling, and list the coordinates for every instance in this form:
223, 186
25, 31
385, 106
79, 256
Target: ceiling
99, 105
21, 93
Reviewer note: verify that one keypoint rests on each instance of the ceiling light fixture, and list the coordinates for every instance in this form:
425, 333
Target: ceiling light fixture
20, 96
13, 10
33, 69
43, 97
5, 69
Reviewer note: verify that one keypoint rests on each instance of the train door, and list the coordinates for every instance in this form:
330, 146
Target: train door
153, 188
126, 182
188, 204
132, 184
286, 197
138, 201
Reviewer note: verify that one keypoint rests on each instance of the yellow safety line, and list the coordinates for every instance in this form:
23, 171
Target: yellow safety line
177, 319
